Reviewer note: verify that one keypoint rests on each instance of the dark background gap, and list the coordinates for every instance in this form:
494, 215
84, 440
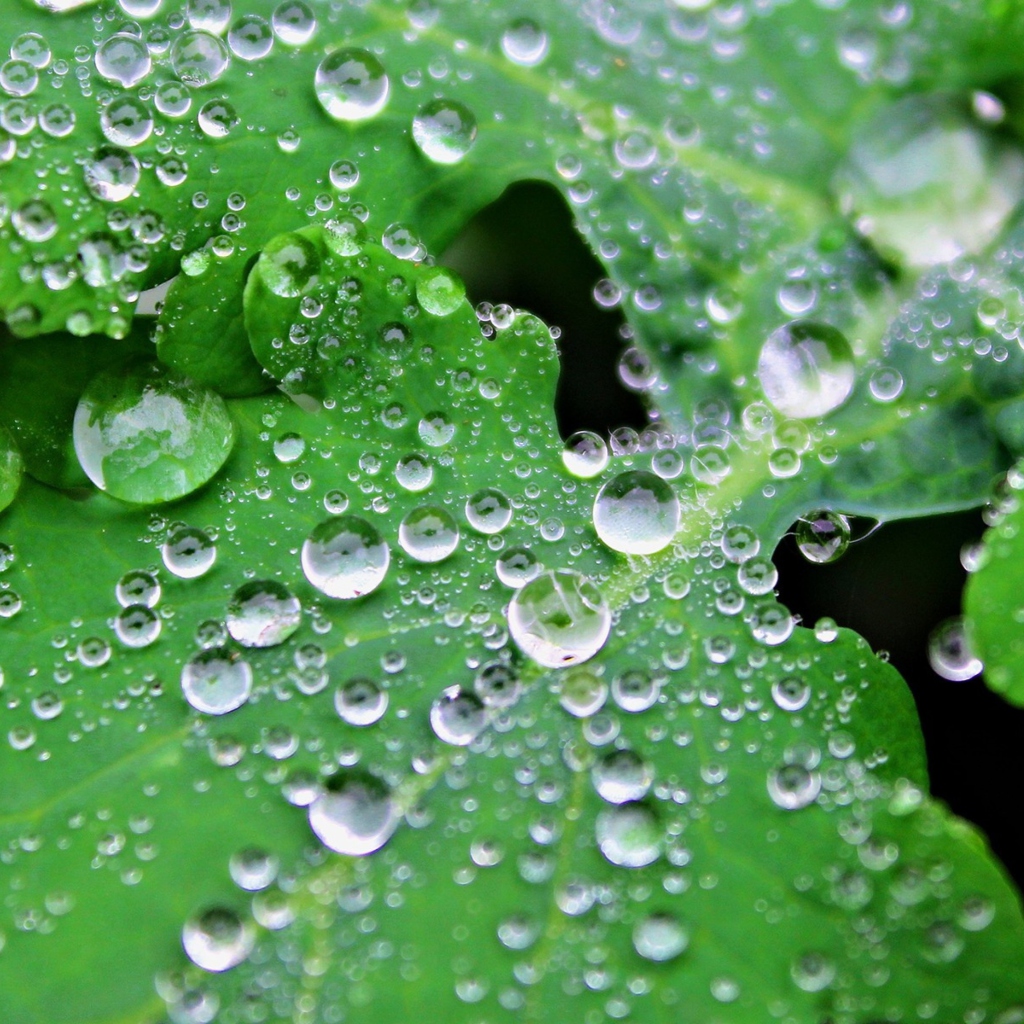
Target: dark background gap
892, 587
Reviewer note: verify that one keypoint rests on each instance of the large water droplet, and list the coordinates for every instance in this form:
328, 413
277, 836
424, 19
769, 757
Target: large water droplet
289, 265
355, 815
585, 454
806, 369
293, 23
582, 693
636, 513
216, 681
524, 42
352, 85
792, 786
622, 776
444, 131
137, 626
124, 59
199, 58
660, 937
629, 835
439, 291
559, 619
361, 702
428, 534
458, 716
188, 552
111, 174
250, 37
345, 557
217, 940
145, 435
263, 613
488, 510
950, 654
253, 870
822, 536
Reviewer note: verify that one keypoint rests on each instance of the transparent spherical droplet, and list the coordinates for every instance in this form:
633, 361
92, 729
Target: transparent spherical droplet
137, 625
524, 42
216, 118
112, 174
35, 221
263, 613
289, 265
636, 513
414, 472
93, 652
950, 654
791, 693
352, 85
428, 534
344, 175
629, 835
740, 544
146, 435
458, 716
444, 131
517, 566
124, 59
822, 536
436, 429
559, 619
32, 48
189, 552
488, 510
771, 623
250, 37
585, 454
518, 932
137, 587
439, 291
126, 121
497, 685
660, 937
217, 940
172, 99
582, 693
215, 681
199, 58
361, 702
253, 869
355, 815
402, 242
622, 776
47, 706
886, 384
792, 786
293, 23
345, 557
209, 15
18, 78
806, 369
812, 972
635, 691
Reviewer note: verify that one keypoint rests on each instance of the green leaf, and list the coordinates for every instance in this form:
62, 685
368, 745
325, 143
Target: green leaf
845, 890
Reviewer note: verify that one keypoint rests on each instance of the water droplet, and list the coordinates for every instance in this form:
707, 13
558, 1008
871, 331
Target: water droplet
636, 513
559, 619
138, 587
124, 59
458, 716
629, 835
263, 613
361, 702
253, 870
112, 174
355, 815
293, 22
436, 429
439, 291
209, 15
93, 652
497, 686
216, 118
822, 536
517, 566
199, 58
289, 265
345, 557
886, 384
524, 42
250, 37
582, 693
444, 131
806, 369
635, 691
217, 940
585, 454
622, 776
812, 972
791, 693
137, 625
950, 654
740, 544
344, 175
352, 85
660, 937
216, 681
126, 121
428, 534
414, 472
518, 932
188, 552
488, 511
792, 786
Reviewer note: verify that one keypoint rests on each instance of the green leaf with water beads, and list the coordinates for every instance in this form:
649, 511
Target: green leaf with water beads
788, 771
992, 606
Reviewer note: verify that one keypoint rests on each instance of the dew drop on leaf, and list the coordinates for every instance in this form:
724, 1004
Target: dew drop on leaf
822, 536
188, 552
111, 174
252, 869
428, 534
622, 776
137, 625
585, 454
444, 131
361, 702
792, 786
293, 23
345, 557
517, 566
217, 940
636, 513
806, 369
488, 510
123, 59
629, 835
950, 654
199, 58
263, 613
582, 693
355, 815
439, 291
216, 681
458, 716
559, 619
524, 42
660, 937
352, 85
791, 693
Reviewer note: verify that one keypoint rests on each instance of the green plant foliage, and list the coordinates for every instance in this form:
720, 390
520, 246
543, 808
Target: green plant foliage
370, 698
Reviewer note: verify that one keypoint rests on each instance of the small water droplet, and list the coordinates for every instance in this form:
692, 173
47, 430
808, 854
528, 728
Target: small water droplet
822, 536
950, 654
585, 454
524, 42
